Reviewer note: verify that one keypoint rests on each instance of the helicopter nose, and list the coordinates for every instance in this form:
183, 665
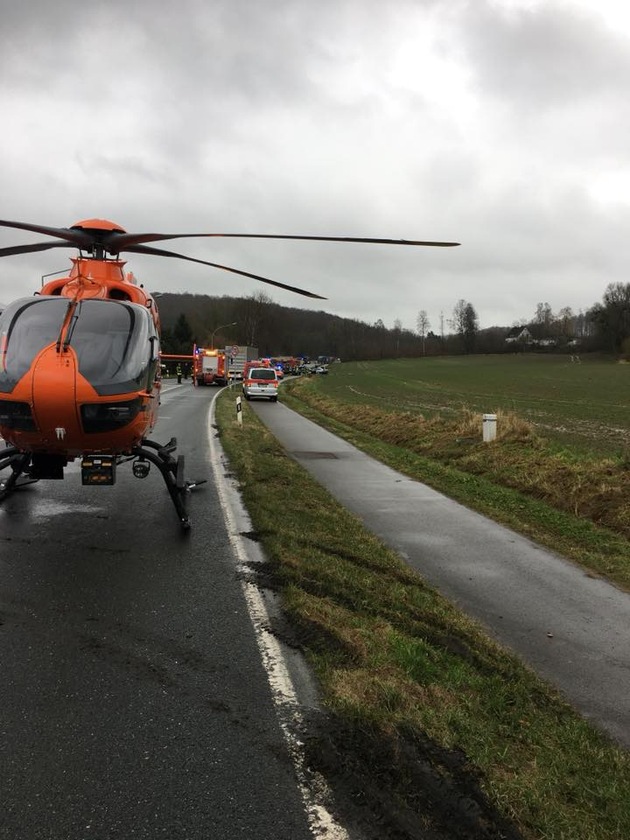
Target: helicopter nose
54, 397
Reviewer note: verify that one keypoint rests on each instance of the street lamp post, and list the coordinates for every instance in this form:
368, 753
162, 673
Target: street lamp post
214, 332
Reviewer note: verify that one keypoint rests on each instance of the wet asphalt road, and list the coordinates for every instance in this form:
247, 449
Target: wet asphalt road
572, 628
133, 703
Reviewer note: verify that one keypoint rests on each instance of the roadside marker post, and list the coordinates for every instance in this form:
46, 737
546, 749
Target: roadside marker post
239, 411
489, 427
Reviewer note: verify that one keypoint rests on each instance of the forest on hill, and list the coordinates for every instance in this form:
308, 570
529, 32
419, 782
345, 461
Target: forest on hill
274, 329
257, 321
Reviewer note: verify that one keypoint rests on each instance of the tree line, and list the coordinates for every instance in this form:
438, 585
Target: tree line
277, 330
605, 327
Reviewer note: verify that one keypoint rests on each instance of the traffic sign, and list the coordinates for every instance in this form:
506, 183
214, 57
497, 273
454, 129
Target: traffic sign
235, 350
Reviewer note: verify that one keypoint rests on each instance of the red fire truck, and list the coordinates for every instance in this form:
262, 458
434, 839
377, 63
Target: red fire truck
210, 367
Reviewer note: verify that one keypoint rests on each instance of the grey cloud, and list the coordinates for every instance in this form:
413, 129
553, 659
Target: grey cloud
549, 56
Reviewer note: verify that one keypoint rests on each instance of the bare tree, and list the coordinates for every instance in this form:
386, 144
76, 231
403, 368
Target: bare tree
423, 324
457, 322
612, 317
397, 331
471, 328
544, 314
465, 324
253, 316
566, 322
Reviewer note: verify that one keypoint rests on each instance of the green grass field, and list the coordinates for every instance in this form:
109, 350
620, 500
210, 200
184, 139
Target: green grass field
584, 406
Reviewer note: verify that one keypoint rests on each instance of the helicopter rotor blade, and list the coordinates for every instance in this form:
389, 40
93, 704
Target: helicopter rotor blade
100, 237
72, 237
141, 249
123, 241
115, 240
28, 249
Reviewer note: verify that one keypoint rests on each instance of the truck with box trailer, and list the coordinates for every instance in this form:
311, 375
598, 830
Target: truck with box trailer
238, 357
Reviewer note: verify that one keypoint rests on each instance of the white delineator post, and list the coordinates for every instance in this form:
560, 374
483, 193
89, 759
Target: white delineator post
489, 427
239, 411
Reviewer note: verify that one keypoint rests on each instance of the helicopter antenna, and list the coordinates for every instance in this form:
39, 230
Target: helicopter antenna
53, 273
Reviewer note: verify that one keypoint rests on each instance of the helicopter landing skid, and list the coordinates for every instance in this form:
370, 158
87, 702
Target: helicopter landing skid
18, 462
172, 470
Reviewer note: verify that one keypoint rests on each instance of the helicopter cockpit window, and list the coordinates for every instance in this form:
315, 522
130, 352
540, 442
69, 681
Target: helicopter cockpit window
114, 344
114, 341
27, 326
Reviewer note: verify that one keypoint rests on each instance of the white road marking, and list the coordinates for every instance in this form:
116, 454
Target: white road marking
313, 787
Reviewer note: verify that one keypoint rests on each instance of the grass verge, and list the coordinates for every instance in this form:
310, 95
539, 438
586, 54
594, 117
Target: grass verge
431, 729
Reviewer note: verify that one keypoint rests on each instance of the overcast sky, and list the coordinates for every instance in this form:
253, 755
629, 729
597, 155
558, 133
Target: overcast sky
500, 124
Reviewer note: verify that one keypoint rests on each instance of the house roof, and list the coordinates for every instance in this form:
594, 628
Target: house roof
517, 332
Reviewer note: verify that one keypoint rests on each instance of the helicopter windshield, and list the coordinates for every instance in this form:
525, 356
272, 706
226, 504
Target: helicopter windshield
115, 342
26, 327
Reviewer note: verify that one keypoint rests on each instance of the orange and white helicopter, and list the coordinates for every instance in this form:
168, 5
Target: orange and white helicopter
80, 372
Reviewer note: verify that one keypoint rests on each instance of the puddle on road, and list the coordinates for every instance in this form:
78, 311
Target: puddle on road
47, 508
44, 509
